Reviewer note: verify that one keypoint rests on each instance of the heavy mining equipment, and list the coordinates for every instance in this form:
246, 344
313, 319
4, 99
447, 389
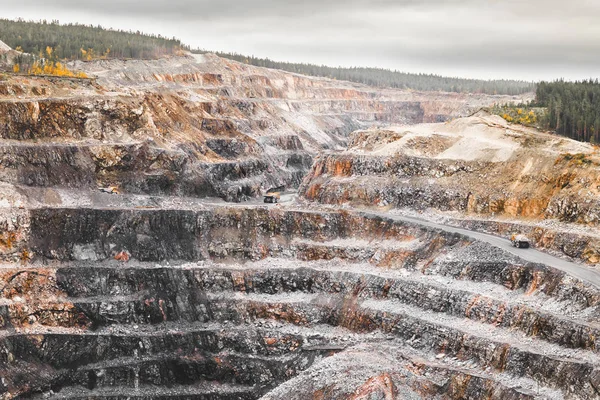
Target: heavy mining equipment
272, 197
519, 241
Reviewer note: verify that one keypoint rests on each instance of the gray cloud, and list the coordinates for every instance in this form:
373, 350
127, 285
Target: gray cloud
536, 39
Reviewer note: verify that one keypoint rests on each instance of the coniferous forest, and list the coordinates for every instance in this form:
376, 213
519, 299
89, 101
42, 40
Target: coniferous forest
86, 42
388, 78
573, 108
83, 42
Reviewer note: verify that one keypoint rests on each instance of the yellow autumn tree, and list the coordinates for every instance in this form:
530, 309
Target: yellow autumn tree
88, 54
36, 69
16, 68
53, 68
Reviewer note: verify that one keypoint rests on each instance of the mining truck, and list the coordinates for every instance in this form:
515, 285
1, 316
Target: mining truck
519, 241
272, 197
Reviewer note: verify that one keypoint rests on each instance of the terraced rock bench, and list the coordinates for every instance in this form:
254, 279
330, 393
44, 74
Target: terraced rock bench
244, 303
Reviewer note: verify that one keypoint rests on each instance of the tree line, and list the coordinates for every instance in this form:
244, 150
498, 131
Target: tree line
573, 108
387, 78
83, 42
88, 42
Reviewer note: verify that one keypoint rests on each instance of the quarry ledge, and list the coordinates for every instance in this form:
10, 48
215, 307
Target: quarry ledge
255, 232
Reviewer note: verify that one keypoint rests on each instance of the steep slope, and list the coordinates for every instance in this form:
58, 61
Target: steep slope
480, 166
193, 126
154, 295
4, 47
7, 56
240, 302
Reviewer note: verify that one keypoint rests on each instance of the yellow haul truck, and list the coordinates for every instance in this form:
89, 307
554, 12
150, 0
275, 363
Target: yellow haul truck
274, 195
519, 241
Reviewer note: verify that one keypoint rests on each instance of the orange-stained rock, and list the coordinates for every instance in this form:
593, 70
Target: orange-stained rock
122, 256
381, 387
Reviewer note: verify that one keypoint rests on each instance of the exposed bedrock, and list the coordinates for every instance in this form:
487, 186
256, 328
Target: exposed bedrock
155, 294
446, 185
147, 169
408, 181
479, 164
193, 126
244, 233
236, 303
478, 168
574, 243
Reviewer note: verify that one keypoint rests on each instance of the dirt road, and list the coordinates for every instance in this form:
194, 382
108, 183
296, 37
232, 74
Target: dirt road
579, 271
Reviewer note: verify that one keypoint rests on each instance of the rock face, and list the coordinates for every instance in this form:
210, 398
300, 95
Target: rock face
7, 56
158, 293
285, 304
192, 125
478, 165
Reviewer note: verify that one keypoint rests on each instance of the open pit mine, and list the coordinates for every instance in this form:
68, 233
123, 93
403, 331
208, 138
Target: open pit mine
383, 273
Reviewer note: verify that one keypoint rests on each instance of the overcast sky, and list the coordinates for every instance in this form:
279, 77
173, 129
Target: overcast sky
532, 40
